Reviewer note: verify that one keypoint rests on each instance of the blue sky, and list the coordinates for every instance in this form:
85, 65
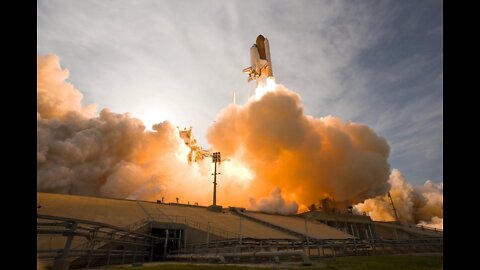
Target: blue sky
374, 62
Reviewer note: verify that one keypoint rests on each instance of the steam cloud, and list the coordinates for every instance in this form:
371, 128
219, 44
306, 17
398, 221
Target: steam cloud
274, 204
309, 157
417, 205
110, 155
271, 143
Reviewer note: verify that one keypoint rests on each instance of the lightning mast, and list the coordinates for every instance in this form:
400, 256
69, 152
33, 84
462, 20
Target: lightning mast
215, 159
393, 207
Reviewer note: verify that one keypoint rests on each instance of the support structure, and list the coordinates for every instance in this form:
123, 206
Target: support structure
63, 263
165, 244
89, 243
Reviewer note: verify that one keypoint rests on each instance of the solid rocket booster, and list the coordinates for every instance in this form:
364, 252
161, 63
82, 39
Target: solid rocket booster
261, 63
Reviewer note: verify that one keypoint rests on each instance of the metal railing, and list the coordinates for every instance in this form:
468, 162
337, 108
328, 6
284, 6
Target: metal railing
429, 228
319, 248
170, 220
103, 243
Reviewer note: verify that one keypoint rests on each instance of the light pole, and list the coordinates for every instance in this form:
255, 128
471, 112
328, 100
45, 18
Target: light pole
216, 159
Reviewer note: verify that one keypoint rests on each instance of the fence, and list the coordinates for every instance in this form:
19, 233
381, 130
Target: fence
320, 248
100, 243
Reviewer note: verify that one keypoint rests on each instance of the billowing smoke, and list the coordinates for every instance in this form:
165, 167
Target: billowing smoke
415, 205
109, 155
55, 97
270, 143
274, 204
311, 158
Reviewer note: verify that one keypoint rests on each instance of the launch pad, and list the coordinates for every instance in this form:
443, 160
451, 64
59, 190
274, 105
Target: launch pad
78, 232
83, 232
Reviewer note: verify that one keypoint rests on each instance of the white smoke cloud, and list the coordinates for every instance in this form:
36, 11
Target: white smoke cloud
56, 97
274, 204
113, 155
435, 222
415, 205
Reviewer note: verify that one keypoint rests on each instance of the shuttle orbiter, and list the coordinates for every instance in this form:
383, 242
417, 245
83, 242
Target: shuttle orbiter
260, 59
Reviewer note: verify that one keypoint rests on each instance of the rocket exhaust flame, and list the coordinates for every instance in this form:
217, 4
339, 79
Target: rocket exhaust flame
264, 86
272, 144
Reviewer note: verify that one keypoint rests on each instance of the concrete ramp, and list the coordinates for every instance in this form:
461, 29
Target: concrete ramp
297, 224
224, 220
119, 213
124, 213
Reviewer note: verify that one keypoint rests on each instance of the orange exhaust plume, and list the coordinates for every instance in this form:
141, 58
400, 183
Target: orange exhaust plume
271, 144
309, 157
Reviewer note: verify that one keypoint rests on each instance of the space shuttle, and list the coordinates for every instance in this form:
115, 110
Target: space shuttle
260, 60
